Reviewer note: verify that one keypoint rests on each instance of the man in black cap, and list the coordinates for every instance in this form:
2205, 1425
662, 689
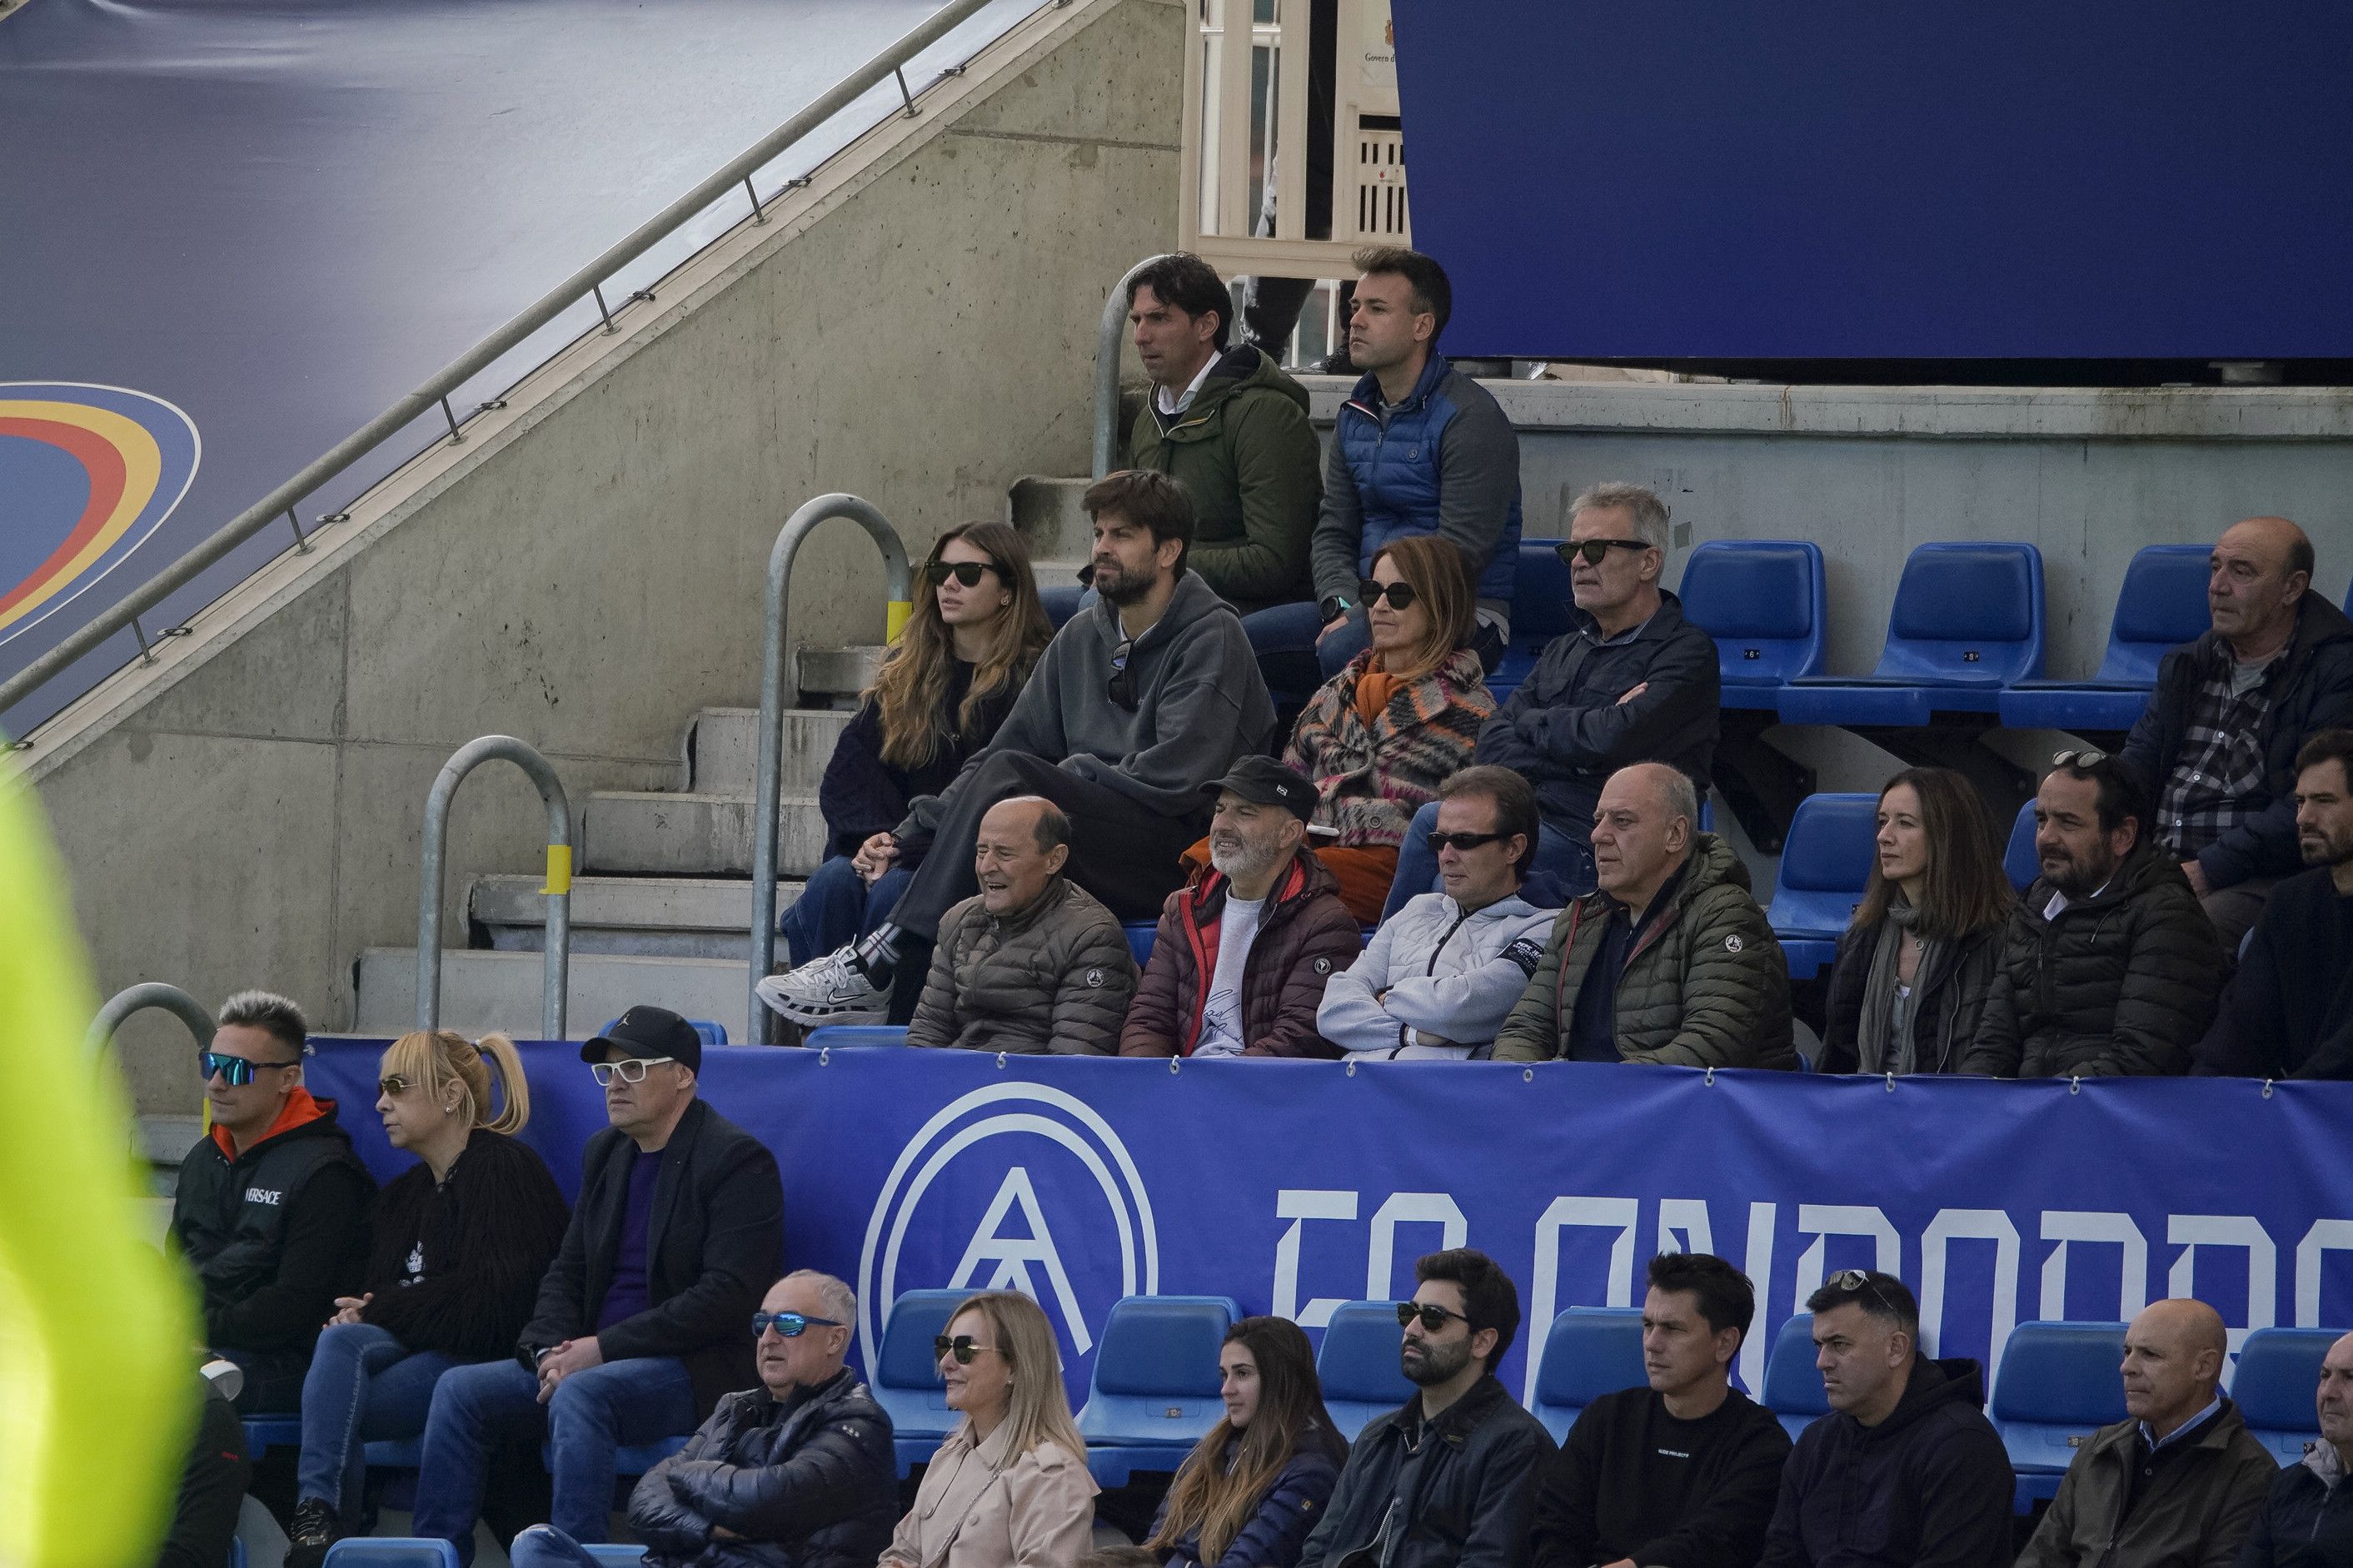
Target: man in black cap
1246, 948
639, 1326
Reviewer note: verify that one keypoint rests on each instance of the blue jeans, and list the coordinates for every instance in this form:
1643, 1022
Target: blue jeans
364, 1386
620, 1404
1286, 633
1567, 861
544, 1546
836, 908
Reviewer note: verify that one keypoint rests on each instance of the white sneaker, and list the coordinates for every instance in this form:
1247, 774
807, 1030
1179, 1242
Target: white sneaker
225, 1376
828, 990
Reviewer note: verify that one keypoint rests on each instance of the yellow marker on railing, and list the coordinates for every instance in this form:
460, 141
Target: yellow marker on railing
559, 869
894, 619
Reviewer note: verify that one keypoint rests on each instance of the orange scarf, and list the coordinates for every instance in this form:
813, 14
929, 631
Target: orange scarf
1374, 689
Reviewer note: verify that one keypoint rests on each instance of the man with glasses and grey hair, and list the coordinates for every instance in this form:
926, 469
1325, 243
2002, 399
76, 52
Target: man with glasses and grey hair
640, 1325
1905, 1469
801, 1470
271, 1206
1630, 681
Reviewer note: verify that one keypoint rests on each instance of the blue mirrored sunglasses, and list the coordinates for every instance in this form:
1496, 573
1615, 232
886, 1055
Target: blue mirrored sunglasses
235, 1071
788, 1325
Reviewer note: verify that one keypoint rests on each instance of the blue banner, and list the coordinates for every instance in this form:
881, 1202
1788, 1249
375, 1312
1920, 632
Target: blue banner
1292, 1186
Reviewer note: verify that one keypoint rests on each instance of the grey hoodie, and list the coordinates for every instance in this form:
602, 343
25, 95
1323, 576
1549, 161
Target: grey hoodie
1201, 703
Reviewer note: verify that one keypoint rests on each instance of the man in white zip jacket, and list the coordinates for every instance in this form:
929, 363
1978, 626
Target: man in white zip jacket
1440, 975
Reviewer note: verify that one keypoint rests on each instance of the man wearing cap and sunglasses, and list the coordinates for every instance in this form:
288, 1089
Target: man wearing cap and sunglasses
271, 1205
640, 1325
801, 1470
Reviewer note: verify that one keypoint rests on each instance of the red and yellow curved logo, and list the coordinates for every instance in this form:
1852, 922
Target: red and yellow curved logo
87, 475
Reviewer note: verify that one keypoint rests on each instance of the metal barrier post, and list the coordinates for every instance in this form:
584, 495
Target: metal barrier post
758, 1022
137, 999
558, 955
1108, 338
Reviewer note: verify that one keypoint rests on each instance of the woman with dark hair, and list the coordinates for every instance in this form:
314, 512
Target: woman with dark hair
974, 635
1251, 1490
1911, 973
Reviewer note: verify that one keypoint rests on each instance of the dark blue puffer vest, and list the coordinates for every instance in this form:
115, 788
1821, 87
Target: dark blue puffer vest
1395, 465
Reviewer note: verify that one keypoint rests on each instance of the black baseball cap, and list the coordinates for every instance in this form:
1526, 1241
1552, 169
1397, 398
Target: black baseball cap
1263, 781
649, 1031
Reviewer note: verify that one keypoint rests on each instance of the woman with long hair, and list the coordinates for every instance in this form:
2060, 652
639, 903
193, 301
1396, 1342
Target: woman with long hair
1377, 739
974, 635
1910, 977
1256, 1484
1011, 1483
459, 1242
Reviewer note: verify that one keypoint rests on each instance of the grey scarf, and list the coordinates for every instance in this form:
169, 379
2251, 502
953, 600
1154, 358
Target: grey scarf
1875, 1046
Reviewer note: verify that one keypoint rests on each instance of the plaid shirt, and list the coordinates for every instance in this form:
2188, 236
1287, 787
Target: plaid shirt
2219, 775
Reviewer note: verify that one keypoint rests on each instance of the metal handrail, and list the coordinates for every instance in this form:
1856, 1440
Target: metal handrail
581, 285
153, 994
768, 787
1109, 337
556, 962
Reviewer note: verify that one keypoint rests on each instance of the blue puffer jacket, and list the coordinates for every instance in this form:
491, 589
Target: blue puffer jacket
1444, 461
1276, 1530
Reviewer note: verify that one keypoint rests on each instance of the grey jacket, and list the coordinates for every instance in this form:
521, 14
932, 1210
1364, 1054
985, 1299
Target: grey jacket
1200, 704
1055, 977
1434, 980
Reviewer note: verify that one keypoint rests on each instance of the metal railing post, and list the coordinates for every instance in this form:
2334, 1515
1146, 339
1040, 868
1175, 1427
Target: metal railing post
556, 963
1109, 337
768, 791
137, 999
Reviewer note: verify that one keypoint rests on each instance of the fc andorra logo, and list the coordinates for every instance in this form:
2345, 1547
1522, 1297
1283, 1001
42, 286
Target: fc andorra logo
1013, 1187
87, 474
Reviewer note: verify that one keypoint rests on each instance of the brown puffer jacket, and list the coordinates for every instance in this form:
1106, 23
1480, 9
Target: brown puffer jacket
1305, 937
1055, 977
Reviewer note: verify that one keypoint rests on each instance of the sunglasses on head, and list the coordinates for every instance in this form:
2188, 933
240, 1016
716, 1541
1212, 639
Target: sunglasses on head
1465, 842
965, 571
631, 1070
1120, 686
1434, 1317
963, 1347
790, 1325
1593, 550
2086, 759
235, 1071
1400, 595
1854, 1282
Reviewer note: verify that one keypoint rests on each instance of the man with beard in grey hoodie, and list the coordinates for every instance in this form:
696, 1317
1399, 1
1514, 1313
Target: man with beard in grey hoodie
1148, 693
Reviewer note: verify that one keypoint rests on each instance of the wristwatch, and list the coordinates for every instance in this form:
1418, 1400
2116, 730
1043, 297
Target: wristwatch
1334, 606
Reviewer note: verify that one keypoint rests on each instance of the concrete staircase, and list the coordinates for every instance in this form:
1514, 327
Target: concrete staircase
661, 909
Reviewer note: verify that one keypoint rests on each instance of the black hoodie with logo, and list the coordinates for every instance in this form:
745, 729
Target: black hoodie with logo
1930, 1487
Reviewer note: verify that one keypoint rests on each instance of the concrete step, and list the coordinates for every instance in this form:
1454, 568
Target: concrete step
725, 743
652, 833
1059, 571
481, 990
1046, 512
652, 917
836, 671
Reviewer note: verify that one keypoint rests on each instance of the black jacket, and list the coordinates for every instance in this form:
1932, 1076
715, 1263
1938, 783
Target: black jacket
2314, 693
2305, 1523
1930, 1487
2288, 1012
714, 1247
1566, 732
861, 795
1465, 1486
1276, 1531
2122, 982
1949, 1005
277, 1233
485, 1237
1593, 1506
809, 1483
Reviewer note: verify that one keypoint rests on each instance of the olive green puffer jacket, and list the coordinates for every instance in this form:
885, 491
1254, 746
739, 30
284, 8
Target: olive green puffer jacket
1055, 977
1706, 987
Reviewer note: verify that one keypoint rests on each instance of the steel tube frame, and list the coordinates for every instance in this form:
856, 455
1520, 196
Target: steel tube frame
580, 286
557, 960
1108, 339
153, 994
768, 790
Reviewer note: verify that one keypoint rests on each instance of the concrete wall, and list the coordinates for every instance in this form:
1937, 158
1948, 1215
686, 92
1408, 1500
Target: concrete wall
917, 327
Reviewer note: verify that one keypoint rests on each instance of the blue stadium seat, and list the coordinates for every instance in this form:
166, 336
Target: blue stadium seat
1155, 1389
616, 1554
906, 1380
1587, 1353
2057, 1384
1824, 865
2278, 1374
1764, 602
1967, 621
1140, 934
2161, 604
263, 1433
2019, 860
1541, 610
391, 1551
1358, 1365
841, 1036
712, 1034
1793, 1383
1061, 602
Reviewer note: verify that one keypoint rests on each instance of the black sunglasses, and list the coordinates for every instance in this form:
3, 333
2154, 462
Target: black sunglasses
1121, 688
1854, 1282
1400, 595
963, 1347
1434, 1317
1593, 550
1465, 842
965, 571
235, 1071
791, 1325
